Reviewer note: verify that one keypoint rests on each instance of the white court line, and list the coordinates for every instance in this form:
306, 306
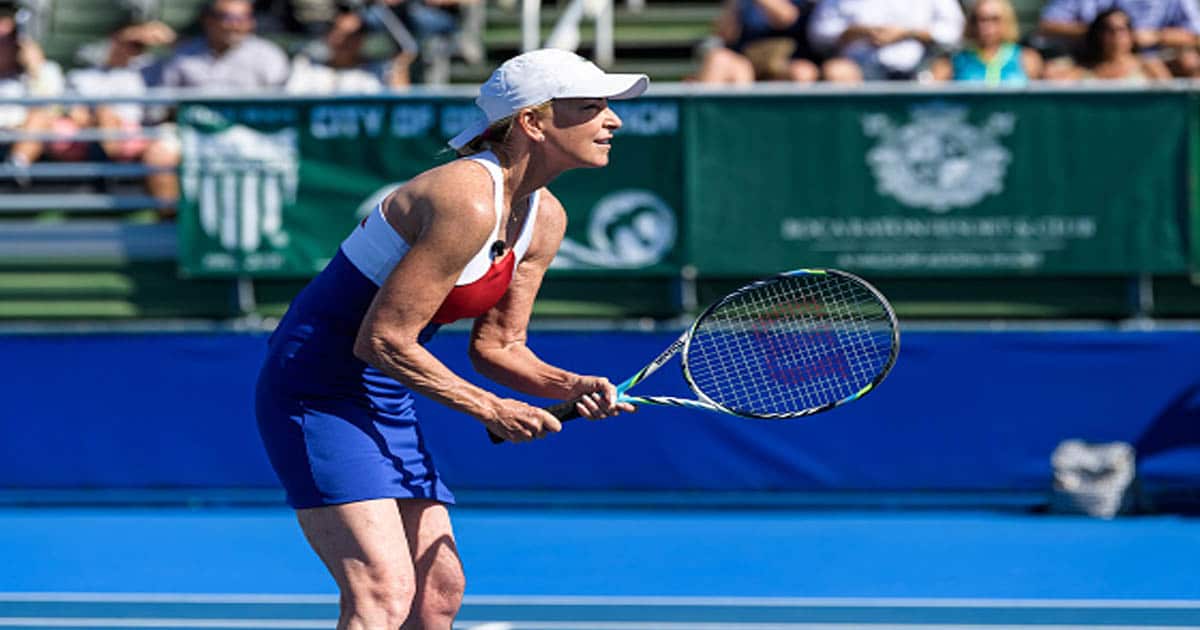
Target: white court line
827, 602
168, 598
693, 625
301, 624
603, 600
163, 622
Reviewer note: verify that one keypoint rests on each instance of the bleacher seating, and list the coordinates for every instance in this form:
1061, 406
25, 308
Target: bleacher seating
84, 242
658, 39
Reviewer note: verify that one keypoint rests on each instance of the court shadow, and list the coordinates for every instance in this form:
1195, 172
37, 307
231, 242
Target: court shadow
1176, 427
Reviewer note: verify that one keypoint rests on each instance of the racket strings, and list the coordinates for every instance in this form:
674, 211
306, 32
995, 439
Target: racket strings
791, 344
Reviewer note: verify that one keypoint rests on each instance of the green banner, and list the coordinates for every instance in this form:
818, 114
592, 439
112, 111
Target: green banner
270, 188
976, 183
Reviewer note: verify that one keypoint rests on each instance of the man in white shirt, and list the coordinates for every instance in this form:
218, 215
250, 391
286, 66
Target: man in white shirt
229, 56
882, 39
339, 66
24, 72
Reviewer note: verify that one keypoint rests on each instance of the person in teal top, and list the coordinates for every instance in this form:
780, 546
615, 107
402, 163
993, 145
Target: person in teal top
1004, 66
990, 53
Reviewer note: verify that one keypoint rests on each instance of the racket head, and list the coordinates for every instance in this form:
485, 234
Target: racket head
794, 344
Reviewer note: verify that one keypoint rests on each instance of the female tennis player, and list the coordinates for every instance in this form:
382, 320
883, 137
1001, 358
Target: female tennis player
469, 239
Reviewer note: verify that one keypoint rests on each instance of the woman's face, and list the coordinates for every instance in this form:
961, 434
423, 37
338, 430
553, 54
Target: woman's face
229, 22
989, 23
1116, 37
346, 37
581, 129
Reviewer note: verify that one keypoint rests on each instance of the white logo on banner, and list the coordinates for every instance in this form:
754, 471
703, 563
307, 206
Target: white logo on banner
939, 160
627, 229
241, 178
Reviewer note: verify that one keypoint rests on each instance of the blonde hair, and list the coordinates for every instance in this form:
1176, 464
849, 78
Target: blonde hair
498, 133
1008, 18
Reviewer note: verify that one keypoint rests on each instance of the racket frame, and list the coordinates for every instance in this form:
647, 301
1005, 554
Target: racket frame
566, 410
702, 401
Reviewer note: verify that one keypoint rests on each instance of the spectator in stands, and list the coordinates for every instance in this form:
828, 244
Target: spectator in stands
760, 40
882, 39
991, 53
1164, 28
1109, 53
306, 17
118, 73
338, 65
229, 56
24, 72
437, 26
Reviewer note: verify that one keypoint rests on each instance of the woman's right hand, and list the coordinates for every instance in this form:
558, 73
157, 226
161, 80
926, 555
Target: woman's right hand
516, 421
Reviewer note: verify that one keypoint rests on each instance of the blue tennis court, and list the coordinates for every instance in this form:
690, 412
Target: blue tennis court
575, 569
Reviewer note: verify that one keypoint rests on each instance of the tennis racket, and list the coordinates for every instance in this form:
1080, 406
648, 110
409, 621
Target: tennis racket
792, 345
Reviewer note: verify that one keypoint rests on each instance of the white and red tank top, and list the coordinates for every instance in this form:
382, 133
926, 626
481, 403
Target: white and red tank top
375, 248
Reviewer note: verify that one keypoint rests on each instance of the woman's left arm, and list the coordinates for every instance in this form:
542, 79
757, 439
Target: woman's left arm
498, 340
1155, 68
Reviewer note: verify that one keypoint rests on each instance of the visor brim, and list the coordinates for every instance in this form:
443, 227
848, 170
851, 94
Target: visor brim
610, 86
464, 137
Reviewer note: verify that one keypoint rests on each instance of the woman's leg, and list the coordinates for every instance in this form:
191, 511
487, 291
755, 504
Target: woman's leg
163, 184
842, 70
721, 65
364, 546
439, 573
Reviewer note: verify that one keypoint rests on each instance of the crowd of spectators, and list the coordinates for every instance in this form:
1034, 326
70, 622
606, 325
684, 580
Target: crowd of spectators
226, 53
800, 41
850, 41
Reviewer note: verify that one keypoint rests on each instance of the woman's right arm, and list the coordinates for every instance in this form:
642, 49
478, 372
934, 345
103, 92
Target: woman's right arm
450, 223
1031, 63
942, 69
726, 26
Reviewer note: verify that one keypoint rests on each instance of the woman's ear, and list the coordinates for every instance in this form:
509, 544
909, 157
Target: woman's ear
533, 123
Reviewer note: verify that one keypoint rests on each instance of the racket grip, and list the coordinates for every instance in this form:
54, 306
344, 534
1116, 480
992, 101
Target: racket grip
563, 411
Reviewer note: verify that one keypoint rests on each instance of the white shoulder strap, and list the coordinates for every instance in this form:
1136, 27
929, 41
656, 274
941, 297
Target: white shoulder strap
526, 236
489, 161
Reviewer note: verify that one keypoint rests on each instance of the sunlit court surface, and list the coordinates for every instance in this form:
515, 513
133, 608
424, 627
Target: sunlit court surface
594, 568
906, 294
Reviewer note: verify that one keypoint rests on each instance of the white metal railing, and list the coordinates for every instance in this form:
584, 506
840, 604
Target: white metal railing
566, 31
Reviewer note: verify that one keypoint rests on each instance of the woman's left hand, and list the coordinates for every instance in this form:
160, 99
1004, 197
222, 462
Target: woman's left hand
596, 398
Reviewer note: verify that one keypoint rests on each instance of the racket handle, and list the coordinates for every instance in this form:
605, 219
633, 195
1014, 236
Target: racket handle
563, 411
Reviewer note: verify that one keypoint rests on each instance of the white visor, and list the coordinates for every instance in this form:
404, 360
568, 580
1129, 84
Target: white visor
539, 76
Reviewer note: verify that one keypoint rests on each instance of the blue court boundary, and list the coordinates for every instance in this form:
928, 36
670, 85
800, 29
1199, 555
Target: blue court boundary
533, 499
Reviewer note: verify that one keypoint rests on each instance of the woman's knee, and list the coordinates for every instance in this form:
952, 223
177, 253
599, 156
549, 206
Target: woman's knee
441, 595
803, 71
841, 70
722, 65
162, 154
377, 599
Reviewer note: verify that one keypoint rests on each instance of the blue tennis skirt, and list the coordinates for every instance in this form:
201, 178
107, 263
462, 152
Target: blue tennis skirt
337, 430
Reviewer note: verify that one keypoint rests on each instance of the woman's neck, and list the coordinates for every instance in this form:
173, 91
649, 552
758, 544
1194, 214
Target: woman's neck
1116, 58
344, 60
523, 174
987, 51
